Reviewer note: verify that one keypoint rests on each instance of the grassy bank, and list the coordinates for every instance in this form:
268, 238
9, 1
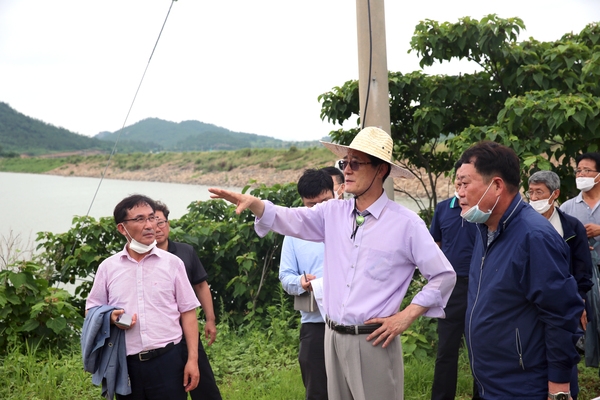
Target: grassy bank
201, 162
250, 365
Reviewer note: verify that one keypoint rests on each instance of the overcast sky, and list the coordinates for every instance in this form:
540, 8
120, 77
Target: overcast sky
251, 66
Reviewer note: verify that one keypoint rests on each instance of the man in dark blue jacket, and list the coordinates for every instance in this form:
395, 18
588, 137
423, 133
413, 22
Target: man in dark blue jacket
456, 238
544, 189
523, 307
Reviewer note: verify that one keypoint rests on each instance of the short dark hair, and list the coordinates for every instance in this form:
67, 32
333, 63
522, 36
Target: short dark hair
121, 209
333, 171
313, 182
160, 206
589, 156
376, 162
491, 158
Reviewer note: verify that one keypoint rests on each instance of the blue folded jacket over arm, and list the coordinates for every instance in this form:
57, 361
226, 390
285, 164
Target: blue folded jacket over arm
104, 353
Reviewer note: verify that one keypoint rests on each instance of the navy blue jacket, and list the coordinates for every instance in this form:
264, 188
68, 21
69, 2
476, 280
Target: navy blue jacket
523, 308
104, 353
455, 235
581, 259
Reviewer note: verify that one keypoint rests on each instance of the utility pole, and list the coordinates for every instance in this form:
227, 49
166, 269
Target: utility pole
372, 70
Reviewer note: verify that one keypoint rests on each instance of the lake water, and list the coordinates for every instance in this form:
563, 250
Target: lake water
33, 203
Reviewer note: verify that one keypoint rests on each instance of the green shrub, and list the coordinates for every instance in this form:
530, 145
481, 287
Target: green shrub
33, 313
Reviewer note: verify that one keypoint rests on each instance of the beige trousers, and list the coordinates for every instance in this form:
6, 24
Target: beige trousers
357, 370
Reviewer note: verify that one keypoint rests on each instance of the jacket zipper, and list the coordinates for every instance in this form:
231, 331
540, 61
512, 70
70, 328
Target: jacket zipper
470, 324
519, 348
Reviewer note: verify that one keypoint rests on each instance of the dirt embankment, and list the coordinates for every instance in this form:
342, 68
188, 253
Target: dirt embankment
238, 177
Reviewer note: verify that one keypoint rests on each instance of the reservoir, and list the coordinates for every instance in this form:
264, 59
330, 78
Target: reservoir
32, 203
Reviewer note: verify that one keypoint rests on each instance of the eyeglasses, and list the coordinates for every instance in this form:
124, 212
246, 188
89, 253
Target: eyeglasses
161, 223
354, 165
584, 171
142, 220
536, 193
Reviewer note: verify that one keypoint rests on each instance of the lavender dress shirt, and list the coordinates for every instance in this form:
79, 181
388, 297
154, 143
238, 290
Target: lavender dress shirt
157, 289
368, 276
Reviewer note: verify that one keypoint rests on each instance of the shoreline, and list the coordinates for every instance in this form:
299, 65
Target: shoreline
252, 176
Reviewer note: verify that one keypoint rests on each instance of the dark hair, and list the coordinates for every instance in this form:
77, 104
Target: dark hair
313, 182
491, 158
589, 156
376, 162
457, 165
120, 212
160, 206
333, 171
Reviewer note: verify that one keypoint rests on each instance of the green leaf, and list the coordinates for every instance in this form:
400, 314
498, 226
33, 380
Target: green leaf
580, 117
57, 324
539, 79
17, 279
29, 325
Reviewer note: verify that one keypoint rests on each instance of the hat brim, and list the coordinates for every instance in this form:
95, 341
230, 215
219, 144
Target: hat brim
341, 151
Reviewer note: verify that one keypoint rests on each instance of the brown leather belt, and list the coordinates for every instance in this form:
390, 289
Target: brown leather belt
351, 329
150, 354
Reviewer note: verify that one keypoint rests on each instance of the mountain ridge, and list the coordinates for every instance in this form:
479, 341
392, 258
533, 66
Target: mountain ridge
24, 135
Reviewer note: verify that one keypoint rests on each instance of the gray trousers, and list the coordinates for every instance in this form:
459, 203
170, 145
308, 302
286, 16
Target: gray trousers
357, 370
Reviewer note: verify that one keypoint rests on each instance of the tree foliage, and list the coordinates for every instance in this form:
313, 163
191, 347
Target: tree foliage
540, 98
32, 312
243, 268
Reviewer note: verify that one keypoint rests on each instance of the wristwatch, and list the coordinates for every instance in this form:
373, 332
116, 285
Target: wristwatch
559, 396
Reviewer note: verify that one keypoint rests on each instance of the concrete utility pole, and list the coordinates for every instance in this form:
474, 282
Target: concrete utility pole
372, 70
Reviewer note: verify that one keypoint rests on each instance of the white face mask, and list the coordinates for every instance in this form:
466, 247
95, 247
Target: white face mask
138, 247
585, 184
475, 215
456, 194
543, 205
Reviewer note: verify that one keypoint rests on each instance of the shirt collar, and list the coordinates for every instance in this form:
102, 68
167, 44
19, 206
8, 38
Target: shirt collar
125, 253
377, 207
579, 197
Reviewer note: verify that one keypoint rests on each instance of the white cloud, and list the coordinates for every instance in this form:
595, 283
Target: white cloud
248, 66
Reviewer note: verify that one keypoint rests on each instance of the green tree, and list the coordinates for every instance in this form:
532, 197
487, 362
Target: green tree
540, 98
243, 267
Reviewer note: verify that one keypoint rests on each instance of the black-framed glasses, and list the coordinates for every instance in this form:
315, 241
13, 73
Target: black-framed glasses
354, 165
161, 223
584, 171
142, 220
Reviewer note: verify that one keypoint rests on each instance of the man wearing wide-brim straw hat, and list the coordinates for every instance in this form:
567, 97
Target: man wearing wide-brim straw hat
372, 247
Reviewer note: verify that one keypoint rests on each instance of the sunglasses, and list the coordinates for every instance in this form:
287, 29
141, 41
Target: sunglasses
354, 165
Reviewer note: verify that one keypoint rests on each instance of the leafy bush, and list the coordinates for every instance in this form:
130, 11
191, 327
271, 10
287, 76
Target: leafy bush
73, 257
420, 339
33, 313
243, 268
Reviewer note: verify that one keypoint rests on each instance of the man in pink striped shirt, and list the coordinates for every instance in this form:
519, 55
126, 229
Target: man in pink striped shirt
150, 285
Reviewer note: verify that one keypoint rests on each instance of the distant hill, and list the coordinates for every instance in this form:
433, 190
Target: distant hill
20, 134
196, 136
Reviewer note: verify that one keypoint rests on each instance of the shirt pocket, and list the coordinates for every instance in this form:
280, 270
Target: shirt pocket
162, 292
379, 266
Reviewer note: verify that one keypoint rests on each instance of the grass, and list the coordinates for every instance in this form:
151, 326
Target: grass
215, 161
252, 365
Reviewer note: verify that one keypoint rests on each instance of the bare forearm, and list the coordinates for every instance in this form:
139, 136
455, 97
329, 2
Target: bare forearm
204, 295
189, 324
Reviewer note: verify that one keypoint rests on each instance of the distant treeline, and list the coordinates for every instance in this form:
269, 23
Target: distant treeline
20, 134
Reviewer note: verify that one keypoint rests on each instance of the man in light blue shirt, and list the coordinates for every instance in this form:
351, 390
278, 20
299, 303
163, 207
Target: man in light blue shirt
586, 206
301, 259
